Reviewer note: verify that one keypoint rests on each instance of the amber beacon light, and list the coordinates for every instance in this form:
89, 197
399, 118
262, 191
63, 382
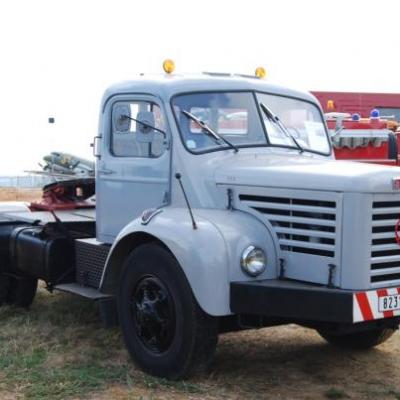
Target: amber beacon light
169, 66
260, 72
330, 105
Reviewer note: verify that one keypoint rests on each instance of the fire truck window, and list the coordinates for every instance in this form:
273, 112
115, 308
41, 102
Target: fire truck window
124, 137
386, 112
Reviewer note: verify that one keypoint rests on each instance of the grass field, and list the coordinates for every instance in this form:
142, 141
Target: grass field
59, 350
19, 194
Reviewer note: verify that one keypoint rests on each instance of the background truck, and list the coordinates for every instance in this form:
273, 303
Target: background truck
369, 139
364, 125
361, 103
219, 207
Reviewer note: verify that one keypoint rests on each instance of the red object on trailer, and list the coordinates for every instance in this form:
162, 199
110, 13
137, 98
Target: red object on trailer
66, 195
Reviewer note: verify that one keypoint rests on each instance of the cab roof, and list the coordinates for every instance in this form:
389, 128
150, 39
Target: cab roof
166, 86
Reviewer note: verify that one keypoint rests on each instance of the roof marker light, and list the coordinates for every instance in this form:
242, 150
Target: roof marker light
330, 105
169, 66
375, 114
260, 72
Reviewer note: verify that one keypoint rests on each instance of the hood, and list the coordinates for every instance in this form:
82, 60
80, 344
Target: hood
303, 172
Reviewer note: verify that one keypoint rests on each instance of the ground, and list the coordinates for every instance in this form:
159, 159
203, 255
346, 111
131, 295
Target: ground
59, 350
18, 194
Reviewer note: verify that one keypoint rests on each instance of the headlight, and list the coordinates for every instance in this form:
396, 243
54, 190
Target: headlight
253, 261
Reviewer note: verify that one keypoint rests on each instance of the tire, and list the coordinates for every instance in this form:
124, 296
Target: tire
4, 285
165, 331
21, 291
359, 340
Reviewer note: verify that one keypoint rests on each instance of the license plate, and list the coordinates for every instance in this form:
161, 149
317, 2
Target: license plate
389, 303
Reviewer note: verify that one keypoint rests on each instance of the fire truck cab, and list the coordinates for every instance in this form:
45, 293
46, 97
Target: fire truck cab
219, 207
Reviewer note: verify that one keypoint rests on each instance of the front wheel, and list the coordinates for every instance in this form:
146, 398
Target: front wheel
358, 340
165, 331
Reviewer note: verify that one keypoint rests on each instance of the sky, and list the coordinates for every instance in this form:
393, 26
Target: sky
58, 56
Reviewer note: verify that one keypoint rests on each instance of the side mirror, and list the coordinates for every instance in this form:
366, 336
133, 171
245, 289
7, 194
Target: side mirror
145, 131
121, 122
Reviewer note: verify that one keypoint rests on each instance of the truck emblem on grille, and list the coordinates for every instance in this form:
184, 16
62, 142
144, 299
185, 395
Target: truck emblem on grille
396, 183
396, 232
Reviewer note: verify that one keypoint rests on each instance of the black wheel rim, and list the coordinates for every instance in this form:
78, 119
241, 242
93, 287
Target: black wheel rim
153, 314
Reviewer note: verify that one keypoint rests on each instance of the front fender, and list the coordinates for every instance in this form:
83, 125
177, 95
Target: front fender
207, 255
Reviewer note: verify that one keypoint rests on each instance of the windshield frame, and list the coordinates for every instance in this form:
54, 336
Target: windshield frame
268, 143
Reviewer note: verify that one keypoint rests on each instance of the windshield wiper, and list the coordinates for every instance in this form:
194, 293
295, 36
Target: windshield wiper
274, 118
210, 132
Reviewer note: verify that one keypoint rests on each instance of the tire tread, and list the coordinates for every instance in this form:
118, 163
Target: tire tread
359, 340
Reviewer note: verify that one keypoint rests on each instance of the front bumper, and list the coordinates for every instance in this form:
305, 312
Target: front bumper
306, 302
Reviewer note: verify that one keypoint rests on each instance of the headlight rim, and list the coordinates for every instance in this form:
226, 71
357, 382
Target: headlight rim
244, 261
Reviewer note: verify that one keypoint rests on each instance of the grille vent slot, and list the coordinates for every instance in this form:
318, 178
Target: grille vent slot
302, 225
385, 252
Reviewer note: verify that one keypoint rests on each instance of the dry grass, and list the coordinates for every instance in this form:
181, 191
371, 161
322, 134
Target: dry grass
19, 194
59, 350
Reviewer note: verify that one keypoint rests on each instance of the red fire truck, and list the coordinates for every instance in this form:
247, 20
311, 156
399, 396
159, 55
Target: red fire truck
363, 125
388, 104
373, 139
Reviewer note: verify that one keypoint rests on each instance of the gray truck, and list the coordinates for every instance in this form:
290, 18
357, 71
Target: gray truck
219, 207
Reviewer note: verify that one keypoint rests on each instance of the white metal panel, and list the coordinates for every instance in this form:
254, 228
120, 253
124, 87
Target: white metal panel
356, 244
126, 186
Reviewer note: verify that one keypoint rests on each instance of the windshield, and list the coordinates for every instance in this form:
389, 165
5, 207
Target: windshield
238, 118
303, 120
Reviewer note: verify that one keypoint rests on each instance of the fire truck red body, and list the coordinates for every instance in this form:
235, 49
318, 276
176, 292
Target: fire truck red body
362, 103
363, 125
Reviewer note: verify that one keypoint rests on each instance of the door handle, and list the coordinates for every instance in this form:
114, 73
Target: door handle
94, 146
105, 171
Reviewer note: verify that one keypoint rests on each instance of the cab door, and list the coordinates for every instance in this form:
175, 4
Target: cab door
133, 169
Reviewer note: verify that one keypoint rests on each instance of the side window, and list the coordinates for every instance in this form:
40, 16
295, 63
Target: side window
390, 111
133, 139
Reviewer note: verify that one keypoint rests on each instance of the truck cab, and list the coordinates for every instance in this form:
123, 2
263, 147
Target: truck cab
219, 207
132, 162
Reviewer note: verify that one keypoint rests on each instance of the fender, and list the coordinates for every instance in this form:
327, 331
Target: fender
209, 255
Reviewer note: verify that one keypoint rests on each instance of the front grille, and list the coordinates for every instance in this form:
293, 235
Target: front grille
302, 225
385, 252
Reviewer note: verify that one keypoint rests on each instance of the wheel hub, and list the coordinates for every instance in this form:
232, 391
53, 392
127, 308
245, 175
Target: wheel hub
153, 314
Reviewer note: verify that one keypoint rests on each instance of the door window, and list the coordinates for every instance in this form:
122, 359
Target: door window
129, 137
